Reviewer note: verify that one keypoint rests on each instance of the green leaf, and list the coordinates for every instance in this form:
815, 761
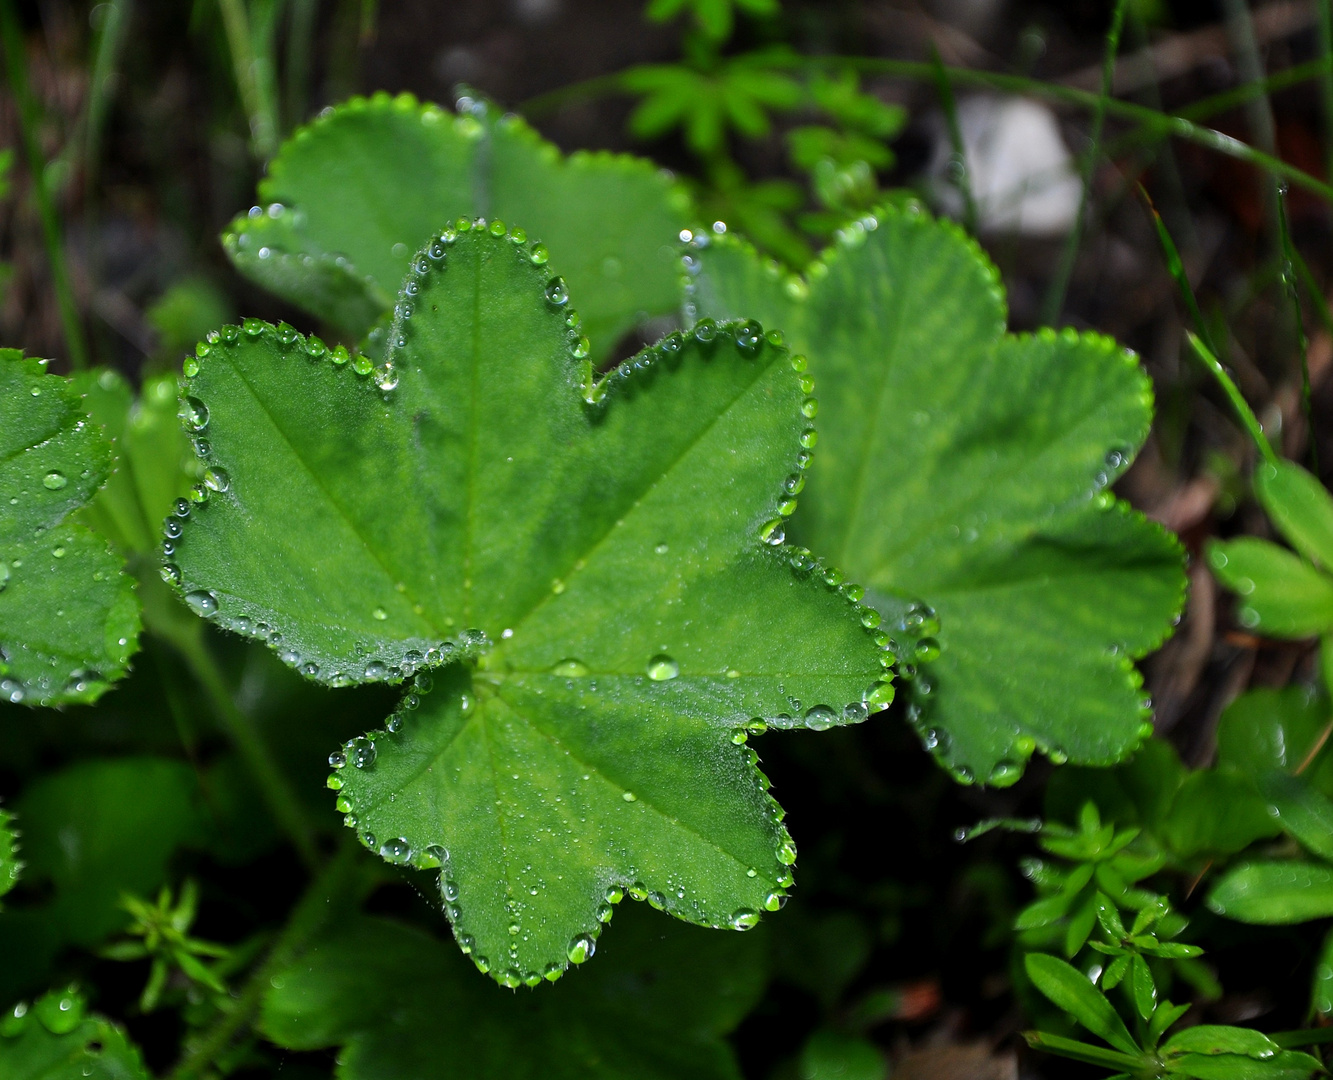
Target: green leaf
610, 552
968, 469
69, 621
1321, 982
53, 1040
1300, 507
1166, 1015
1303, 811
1216, 812
1219, 1039
1287, 1065
351, 197
1081, 1051
1143, 987
1267, 729
655, 1008
1070, 989
102, 828
10, 864
1281, 595
1274, 893
834, 1055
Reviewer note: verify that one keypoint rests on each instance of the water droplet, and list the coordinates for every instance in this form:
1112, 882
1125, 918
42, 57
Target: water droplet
810, 408
253, 327
54, 480
820, 718
744, 919
361, 752
397, 851
557, 293
629, 796
705, 331
748, 336
773, 532
661, 668
449, 889
927, 650
217, 479
879, 696
202, 603
380, 614
195, 414
11, 691
570, 668
855, 712
775, 901
172, 528
787, 854
539, 256
580, 348
1004, 773
337, 759
386, 378
375, 671
171, 574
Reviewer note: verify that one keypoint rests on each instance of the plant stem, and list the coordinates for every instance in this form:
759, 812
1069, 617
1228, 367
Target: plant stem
307, 919
1287, 263
1055, 297
278, 792
16, 66
1243, 411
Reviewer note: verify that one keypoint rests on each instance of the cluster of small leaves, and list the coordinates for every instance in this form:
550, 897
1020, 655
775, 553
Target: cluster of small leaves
1205, 1051
162, 930
714, 19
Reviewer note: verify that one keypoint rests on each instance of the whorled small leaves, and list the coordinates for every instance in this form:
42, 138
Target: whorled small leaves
606, 554
964, 476
69, 620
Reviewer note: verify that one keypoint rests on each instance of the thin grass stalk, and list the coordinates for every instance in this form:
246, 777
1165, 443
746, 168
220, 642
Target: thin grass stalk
1288, 271
963, 180
1325, 9
16, 67
1055, 296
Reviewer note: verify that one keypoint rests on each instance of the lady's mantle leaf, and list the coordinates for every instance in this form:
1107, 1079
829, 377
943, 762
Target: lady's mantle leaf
656, 1008
10, 865
968, 469
53, 1039
350, 198
69, 621
611, 552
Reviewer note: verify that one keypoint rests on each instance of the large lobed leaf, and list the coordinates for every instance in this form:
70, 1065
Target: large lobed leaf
349, 198
54, 1039
69, 621
656, 1008
608, 553
966, 470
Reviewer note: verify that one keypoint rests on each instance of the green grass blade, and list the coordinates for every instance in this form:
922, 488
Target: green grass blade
16, 67
1055, 297
963, 181
1243, 411
1288, 273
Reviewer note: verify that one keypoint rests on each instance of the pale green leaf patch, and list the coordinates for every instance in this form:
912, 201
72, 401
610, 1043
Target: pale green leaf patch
55, 1037
69, 620
606, 553
963, 476
349, 198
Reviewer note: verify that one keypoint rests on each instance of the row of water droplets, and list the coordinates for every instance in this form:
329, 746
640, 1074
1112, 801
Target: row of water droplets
52, 482
216, 481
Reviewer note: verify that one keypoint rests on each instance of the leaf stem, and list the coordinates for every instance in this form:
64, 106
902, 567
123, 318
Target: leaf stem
1288, 266
16, 66
307, 918
1055, 297
253, 747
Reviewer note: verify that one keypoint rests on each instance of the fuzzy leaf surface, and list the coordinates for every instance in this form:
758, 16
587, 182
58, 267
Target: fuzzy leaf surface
655, 1008
597, 554
968, 469
69, 620
358, 190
